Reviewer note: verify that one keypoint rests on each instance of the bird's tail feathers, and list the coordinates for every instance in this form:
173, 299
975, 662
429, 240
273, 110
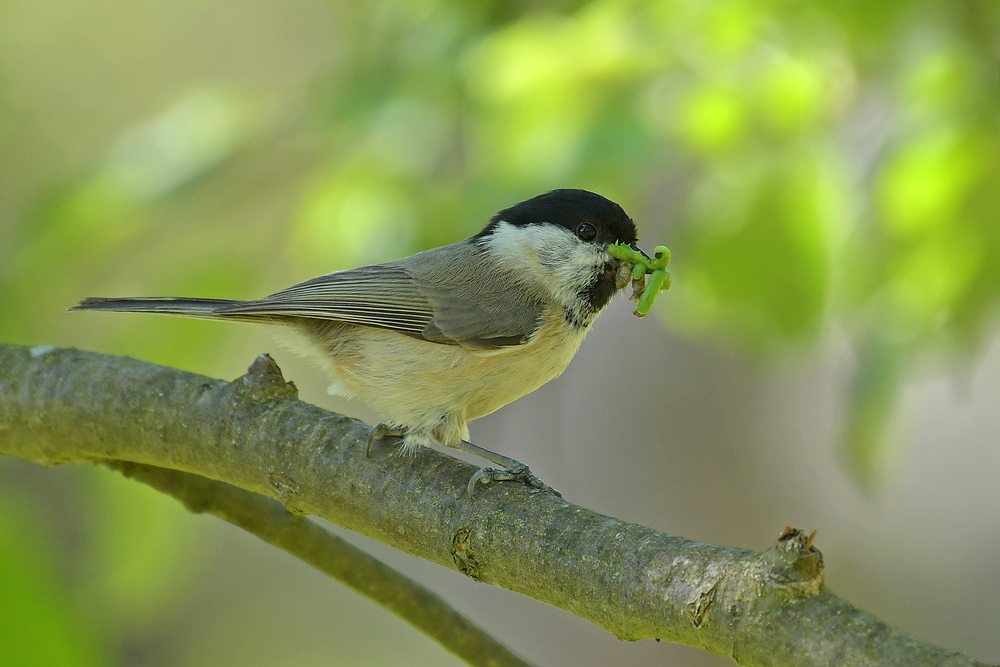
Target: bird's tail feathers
190, 307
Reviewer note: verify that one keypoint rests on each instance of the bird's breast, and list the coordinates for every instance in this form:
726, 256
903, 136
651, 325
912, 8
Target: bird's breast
408, 380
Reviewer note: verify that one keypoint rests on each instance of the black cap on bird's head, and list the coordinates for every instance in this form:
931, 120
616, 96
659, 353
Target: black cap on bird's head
589, 216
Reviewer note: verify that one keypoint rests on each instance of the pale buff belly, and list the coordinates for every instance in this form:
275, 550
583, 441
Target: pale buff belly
434, 389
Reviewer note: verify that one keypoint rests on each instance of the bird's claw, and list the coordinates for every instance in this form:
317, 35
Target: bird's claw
516, 472
380, 431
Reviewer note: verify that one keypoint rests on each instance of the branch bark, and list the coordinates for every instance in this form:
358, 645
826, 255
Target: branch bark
767, 608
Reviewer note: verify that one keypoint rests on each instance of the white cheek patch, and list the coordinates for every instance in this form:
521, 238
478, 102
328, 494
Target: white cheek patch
548, 256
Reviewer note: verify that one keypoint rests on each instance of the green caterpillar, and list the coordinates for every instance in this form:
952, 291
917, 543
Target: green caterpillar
659, 279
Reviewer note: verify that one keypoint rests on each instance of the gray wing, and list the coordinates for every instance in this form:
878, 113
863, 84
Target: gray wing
473, 303
380, 295
445, 295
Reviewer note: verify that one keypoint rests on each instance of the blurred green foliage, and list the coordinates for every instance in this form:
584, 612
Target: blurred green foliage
814, 166
37, 626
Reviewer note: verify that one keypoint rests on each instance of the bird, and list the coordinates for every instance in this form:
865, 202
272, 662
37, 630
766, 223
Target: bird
448, 335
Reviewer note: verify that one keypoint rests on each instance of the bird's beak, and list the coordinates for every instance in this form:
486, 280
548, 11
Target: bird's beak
640, 251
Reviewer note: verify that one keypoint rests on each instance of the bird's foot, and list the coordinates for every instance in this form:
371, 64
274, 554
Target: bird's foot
380, 432
515, 472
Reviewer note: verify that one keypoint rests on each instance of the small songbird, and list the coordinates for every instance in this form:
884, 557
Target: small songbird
442, 337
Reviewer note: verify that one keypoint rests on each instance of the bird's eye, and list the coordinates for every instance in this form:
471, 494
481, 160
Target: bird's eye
586, 231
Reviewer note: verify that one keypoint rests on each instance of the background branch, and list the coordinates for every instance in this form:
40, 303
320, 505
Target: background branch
253, 433
332, 555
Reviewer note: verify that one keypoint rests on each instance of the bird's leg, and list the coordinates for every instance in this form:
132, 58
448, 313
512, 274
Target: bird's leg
513, 470
380, 431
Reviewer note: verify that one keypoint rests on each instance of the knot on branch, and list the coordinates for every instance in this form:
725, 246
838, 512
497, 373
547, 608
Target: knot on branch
286, 487
699, 606
794, 564
466, 559
263, 381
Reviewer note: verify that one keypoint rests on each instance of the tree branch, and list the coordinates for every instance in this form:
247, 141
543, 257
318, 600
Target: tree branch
766, 608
